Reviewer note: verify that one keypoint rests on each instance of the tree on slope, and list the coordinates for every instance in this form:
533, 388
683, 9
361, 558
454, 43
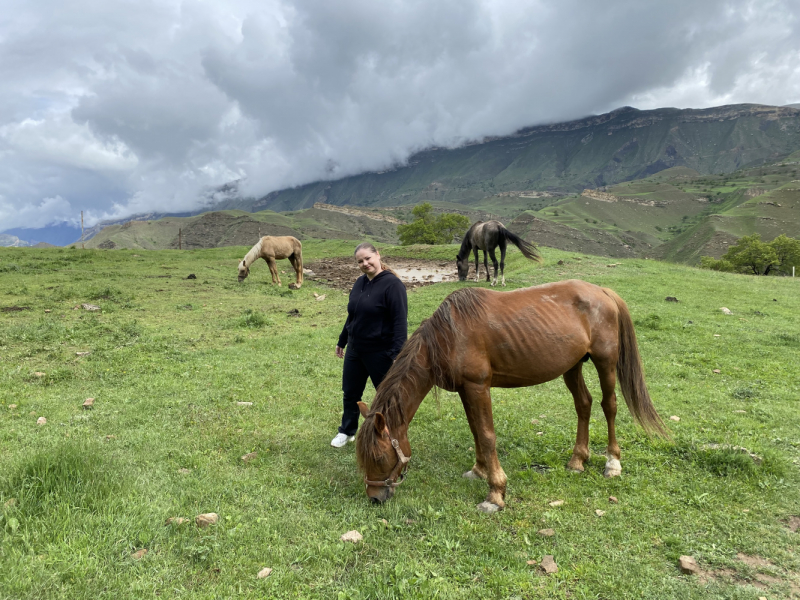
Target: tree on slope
751, 255
429, 229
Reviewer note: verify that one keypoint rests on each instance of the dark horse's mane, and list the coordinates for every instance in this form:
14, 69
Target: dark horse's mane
466, 243
436, 334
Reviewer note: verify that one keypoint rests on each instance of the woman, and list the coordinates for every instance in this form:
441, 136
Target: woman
375, 331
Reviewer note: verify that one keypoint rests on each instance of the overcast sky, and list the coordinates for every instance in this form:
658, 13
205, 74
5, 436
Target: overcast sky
117, 108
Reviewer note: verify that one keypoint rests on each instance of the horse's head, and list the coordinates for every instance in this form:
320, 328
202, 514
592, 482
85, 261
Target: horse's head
463, 266
381, 457
243, 271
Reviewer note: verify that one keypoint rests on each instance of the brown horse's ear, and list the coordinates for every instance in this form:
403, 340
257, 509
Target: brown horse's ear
364, 409
379, 422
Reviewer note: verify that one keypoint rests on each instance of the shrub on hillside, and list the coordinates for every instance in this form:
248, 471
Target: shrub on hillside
429, 229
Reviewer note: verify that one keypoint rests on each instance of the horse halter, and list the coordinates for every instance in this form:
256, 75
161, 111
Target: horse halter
398, 474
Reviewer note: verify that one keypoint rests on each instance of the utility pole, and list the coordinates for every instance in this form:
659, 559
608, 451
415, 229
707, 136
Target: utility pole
82, 246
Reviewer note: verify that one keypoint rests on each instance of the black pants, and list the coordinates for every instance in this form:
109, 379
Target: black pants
357, 367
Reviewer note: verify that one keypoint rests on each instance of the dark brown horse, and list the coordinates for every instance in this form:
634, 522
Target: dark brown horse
478, 339
488, 237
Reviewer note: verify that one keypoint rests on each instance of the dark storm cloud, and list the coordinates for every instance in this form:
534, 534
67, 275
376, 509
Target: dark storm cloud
120, 108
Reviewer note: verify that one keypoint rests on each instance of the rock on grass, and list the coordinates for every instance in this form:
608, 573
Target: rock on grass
206, 519
549, 565
688, 565
555, 503
352, 536
41, 421
546, 532
139, 554
265, 572
88, 404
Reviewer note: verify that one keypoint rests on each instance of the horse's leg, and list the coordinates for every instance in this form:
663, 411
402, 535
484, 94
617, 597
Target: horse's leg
608, 380
477, 267
502, 261
486, 264
494, 263
298, 269
583, 406
478, 406
273, 269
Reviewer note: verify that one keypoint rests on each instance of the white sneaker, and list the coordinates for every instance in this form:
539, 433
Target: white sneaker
342, 439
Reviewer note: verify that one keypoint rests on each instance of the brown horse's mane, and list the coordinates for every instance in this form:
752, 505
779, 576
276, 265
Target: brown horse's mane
437, 335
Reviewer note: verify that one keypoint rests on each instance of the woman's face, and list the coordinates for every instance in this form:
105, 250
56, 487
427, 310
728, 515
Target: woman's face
369, 262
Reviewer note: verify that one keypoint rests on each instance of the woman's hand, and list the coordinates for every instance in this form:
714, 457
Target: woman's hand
339, 352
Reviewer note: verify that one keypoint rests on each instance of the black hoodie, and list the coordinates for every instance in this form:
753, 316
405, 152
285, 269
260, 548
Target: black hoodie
377, 315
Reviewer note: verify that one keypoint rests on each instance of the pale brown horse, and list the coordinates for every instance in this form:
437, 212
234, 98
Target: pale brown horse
272, 248
478, 339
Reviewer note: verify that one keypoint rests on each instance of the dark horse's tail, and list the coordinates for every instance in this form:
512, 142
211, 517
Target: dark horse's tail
528, 250
630, 373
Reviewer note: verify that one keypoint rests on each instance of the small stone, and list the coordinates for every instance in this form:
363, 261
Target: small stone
47, 310
90, 307
176, 521
139, 554
613, 499
41, 421
717, 335
352, 537
244, 404
38, 374
383, 522
531, 562
534, 421
599, 512
250, 456
321, 298
542, 416
555, 503
688, 565
87, 353
716, 371
674, 418
88, 404
191, 276
546, 532
549, 565
183, 471
206, 519
264, 573
540, 433
12, 406
488, 507
670, 299
726, 311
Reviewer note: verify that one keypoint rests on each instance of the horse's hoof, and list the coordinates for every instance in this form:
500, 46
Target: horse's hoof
471, 475
488, 508
613, 468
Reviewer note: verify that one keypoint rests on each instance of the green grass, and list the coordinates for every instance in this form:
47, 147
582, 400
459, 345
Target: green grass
171, 357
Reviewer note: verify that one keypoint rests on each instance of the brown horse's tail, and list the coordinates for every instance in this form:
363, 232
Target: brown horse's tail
528, 250
630, 373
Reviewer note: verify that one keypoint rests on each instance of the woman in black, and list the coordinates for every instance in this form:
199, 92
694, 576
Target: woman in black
375, 331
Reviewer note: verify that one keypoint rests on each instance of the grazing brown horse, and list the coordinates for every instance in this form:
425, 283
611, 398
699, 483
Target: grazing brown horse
478, 339
488, 237
271, 248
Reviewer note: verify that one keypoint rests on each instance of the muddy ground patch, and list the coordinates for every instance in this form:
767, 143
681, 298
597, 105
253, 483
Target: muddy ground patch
342, 272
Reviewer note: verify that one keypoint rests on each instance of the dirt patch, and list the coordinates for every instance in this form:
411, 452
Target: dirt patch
793, 523
342, 272
14, 308
757, 579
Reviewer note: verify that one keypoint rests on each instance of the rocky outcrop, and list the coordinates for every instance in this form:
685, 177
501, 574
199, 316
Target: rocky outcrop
357, 212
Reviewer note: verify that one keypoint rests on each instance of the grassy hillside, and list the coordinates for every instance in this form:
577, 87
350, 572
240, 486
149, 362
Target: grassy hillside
167, 360
608, 149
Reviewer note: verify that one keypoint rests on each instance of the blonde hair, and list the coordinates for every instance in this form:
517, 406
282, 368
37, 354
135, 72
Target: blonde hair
371, 248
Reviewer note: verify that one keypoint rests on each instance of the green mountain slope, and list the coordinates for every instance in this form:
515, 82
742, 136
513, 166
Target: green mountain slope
623, 145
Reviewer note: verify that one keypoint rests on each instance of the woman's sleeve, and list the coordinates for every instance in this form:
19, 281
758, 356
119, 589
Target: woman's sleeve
397, 302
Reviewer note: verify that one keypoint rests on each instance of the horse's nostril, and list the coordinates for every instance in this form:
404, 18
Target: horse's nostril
376, 501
